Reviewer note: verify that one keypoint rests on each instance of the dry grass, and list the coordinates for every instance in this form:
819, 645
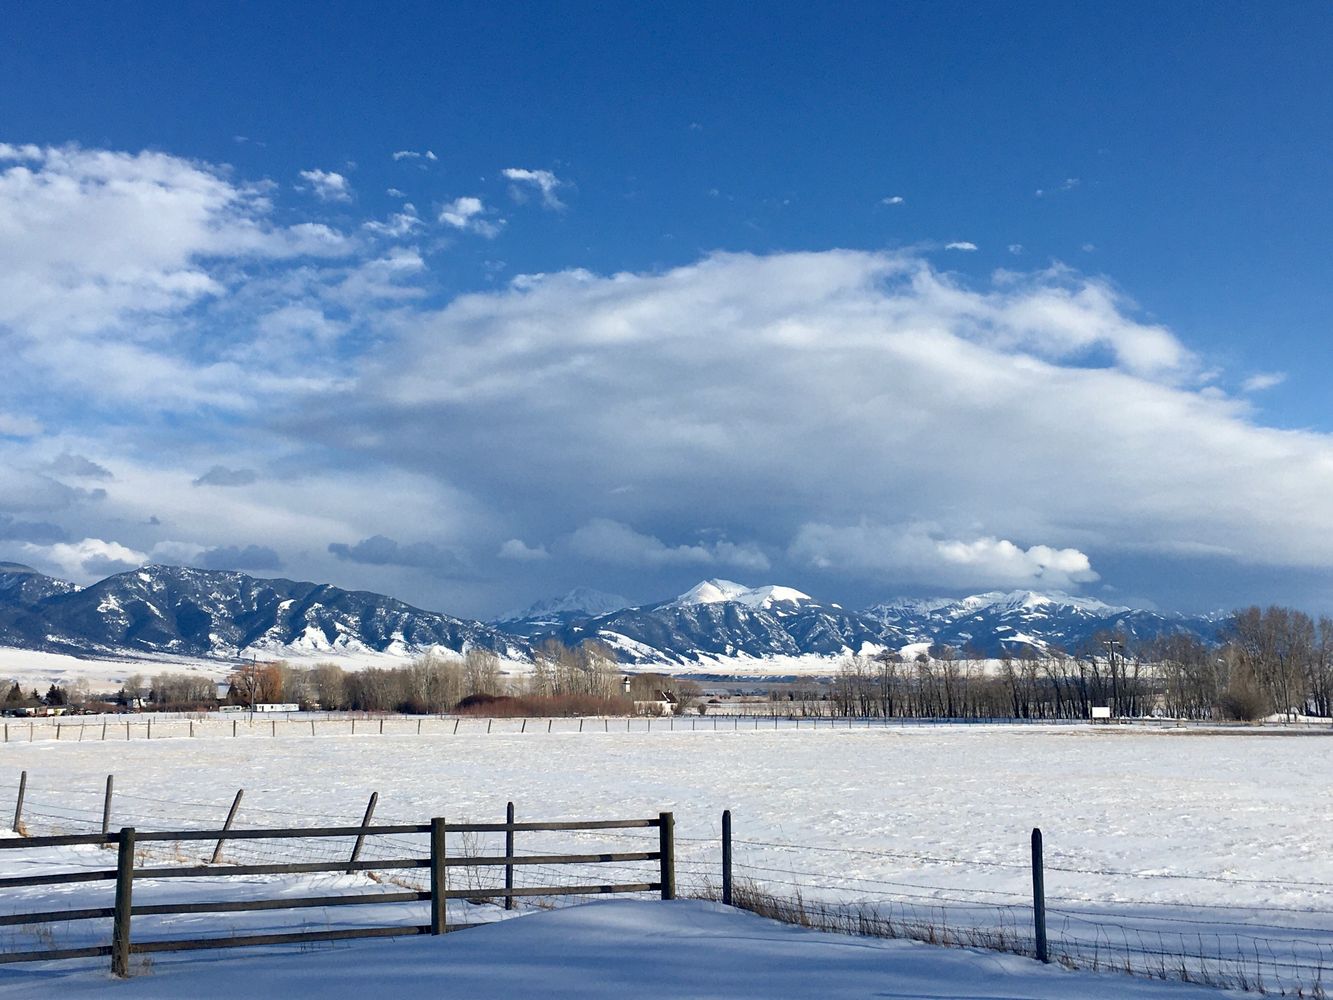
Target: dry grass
914, 924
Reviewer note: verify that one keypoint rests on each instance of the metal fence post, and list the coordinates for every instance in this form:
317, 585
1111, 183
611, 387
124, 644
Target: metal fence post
667, 841
439, 878
365, 822
231, 817
120, 931
1039, 898
509, 853
106, 806
726, 857
18, 806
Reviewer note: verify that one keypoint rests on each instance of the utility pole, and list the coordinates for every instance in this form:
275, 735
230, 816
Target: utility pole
1111, 646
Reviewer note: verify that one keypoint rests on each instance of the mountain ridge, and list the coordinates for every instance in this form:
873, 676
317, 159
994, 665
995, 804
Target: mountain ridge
182, 611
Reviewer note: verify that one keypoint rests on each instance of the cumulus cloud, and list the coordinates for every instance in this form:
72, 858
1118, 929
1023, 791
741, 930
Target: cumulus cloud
895, 199
87, 560
544, 182
112, 265
756, 395
412, 154
398, 225
166, 308
378, 550
960, 245
518, 550
327, 185
918, 553
220, 475
610, 541
469, 214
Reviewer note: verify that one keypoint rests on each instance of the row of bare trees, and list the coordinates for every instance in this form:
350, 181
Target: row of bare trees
563, 679
1269, 661
428, 685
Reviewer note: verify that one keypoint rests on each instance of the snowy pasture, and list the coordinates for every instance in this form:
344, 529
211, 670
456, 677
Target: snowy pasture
1158, 843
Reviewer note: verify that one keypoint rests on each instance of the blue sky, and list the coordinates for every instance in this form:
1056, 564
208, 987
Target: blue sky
473, 305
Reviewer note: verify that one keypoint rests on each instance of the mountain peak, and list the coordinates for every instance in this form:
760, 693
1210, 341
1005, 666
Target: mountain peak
720, 591
580, 600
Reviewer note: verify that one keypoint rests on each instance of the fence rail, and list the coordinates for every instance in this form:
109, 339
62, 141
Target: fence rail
439, 862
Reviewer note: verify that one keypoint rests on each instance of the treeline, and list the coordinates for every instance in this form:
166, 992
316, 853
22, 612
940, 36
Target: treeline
564, 680
1270, 661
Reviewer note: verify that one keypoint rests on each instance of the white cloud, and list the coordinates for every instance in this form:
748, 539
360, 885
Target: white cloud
918, 553
1263, 380
398, 225
610, 541
469, 214
109, 261
1016, 249
543, 180
411, 154
759, 394
327, 185
518, 550
15, 425
960, 245
896, 199
86, 561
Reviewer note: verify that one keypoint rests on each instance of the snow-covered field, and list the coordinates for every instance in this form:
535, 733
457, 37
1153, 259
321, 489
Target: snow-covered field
1215, 844
605, 951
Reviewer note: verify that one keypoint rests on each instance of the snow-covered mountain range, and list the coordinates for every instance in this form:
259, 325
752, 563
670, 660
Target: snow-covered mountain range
190, 612
999, 622
173, 610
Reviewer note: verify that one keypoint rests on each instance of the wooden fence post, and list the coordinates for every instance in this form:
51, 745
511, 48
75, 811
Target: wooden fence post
667, 841
18, 807
120, 931
365, 822
439, 878
231, 818
1039, 898
509, 853
726, 857
106, 806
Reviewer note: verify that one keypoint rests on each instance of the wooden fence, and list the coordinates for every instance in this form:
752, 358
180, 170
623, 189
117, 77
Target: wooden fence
439, 862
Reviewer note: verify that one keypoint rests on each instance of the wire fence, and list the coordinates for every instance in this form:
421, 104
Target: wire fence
1222, 929
760, 717
72, 810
